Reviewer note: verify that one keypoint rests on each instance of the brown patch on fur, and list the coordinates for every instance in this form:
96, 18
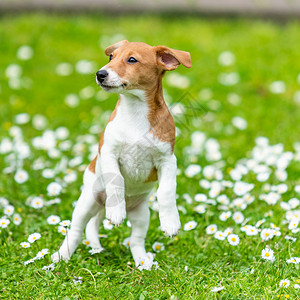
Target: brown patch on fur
92, 165
152, 175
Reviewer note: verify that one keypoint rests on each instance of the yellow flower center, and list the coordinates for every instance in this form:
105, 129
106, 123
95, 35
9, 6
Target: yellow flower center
212, 229
284, 283
267, 254
86, 242
34, 238
142, 262
266, 234
158, 247
233, 239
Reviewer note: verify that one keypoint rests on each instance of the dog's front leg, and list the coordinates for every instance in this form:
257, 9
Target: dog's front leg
115, 205
166, 196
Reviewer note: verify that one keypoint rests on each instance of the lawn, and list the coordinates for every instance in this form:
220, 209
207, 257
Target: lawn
238, 152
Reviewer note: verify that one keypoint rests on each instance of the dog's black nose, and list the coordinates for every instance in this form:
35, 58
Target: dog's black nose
101, 75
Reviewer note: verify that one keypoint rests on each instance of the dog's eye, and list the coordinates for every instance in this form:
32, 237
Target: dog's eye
110, 57
132, 60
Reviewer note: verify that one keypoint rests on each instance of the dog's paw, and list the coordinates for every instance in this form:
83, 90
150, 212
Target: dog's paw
56, 257
116, 214
170, 224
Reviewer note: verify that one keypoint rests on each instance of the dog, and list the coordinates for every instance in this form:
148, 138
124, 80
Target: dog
136, 150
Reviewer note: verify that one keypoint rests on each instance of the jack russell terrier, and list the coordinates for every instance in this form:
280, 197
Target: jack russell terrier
136, 150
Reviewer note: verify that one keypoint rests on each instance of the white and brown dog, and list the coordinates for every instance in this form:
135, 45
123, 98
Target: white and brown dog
135, 150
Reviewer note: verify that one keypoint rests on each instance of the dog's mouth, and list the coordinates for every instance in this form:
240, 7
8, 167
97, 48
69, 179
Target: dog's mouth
107, 86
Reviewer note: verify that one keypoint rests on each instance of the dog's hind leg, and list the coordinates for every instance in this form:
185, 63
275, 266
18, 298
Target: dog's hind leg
92, 229
139, 218
86, 208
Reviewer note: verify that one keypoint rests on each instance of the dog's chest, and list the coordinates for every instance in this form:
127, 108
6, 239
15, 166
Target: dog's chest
137, 150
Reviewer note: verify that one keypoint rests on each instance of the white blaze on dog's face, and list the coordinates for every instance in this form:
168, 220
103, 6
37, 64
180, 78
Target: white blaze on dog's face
136, 66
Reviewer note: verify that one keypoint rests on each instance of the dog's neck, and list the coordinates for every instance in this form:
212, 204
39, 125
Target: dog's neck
147, 109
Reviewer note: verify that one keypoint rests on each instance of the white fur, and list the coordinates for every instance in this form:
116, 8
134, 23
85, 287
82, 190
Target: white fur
128, 154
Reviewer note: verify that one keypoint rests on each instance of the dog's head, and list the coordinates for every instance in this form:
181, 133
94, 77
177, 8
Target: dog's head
138, 66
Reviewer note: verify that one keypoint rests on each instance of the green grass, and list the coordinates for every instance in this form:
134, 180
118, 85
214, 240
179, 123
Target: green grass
264, 51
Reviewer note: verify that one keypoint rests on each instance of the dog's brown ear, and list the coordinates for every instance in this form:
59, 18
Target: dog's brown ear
169, 59
110, 49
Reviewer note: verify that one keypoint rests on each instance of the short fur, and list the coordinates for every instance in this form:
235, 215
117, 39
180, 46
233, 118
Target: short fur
135, 150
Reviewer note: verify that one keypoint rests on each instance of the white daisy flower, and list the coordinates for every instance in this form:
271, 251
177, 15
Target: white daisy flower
260, 222
293, 223
211, 229
241, 188
33, 237
189, 225
200, 197
219, 235
48, 268
64, 69
54, 189
293, 260
9, 210
42, 253
297, 188
39, 122
238, 217
287, 237
25, 52
146, 263
224, 216
77, 280
240, 123
294, 202
223, 199
284, 283
48, 173
233, 239
277, 87
86, 242
65, 223
204, 184
53, 220
226, 58
28, 262
200, 209
228, 231
126, 242
192, 170
62, 230
72, 100
266, 234
229, 79
158, 247
217, 289
3, 202
251, 230
85, 66
107, 225
101, 235
37, 202
13, 71
95, 250
17, 220
25, 244
22, 118
21, 176
268, 254
296, 286
62, 133
4, 222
